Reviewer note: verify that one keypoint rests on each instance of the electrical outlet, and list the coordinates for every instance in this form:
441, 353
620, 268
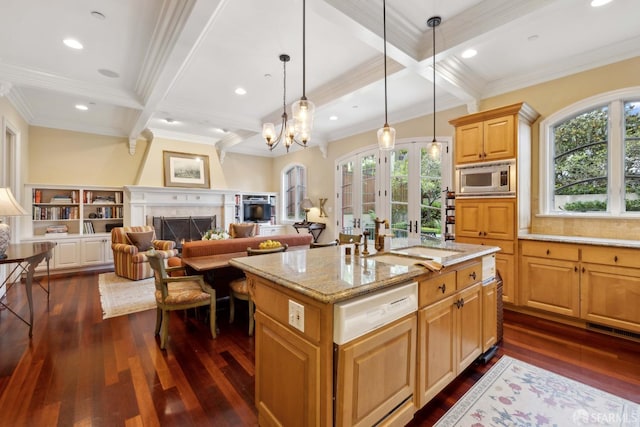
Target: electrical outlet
296, 315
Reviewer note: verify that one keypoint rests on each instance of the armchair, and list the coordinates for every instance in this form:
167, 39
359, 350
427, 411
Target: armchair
129, 245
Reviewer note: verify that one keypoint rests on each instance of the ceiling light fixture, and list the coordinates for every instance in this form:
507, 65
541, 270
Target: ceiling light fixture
598, 3
73, 44
303, 109
433, 22
469, 53
240, 91
287, 130
386, 134
81, 107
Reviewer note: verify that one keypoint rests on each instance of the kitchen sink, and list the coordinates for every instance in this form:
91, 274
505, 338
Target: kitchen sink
389, 258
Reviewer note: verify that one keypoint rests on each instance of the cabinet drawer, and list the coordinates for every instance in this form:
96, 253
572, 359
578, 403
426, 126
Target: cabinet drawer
623, 257
552, 250
469, 275
506, 246
436, 288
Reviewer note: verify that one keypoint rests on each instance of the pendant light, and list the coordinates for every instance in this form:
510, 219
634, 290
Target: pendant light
433, 22
303, 109
386, 134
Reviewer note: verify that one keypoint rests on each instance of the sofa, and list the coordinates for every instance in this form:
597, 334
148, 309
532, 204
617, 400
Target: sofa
130, 244
221, 277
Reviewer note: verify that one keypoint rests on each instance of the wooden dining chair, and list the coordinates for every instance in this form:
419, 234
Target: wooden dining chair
239, 289
178, 293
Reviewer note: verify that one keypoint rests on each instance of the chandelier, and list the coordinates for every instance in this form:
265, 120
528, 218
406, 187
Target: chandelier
287, 131
386, 134
300, 131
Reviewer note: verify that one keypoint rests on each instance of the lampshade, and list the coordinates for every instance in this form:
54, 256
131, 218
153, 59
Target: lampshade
306, 204
9, 206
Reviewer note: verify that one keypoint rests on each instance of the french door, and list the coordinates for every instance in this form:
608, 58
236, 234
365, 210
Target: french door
357, 192
419, 172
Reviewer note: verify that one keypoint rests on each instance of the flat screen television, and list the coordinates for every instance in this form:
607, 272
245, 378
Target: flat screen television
256, 211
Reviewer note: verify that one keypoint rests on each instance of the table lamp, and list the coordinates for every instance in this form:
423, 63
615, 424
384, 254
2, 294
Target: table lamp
306, 204
9, 206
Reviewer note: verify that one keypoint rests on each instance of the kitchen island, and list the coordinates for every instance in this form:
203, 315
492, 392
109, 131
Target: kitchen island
308, 374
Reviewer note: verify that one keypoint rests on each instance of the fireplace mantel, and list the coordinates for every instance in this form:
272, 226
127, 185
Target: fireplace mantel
141, 204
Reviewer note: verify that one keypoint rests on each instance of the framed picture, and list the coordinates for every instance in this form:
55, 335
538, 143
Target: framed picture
186, 170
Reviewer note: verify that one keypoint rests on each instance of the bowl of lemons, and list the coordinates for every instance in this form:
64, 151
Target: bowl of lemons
269, 244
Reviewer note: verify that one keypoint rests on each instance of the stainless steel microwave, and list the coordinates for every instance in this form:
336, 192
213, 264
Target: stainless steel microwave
491, 179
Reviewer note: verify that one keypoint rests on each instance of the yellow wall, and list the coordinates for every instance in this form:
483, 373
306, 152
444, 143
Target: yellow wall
60, 157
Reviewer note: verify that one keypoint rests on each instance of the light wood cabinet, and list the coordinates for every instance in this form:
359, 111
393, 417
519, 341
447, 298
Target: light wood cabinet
489, 315
491, 139
486, 218
597, 284
550, 282
450, 338
377, 372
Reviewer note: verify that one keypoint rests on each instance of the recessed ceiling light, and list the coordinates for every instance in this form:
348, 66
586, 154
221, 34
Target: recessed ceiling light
170, 120
73, 44
469, 53
240, 91
533, 37
81, 107
220, 130
598, 3
333, 118
108, 73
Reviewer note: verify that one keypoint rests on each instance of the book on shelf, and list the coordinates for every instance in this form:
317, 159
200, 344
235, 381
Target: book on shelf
88, 227
57, 228
58, 199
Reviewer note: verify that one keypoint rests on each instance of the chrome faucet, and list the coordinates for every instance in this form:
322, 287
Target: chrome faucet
378, 237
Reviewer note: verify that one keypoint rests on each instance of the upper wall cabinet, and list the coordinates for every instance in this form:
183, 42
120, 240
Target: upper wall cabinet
490, 135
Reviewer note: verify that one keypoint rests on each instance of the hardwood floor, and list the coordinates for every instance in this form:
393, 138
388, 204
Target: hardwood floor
80, 370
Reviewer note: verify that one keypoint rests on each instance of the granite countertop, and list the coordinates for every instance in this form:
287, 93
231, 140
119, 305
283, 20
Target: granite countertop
328, 275
582, 240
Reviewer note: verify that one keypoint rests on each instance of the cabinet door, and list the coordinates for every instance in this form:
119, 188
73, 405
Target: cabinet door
489, 316
611, 296
93, 251
469, 327
436, 360
66, 254
287, 368
551, 284
506, 266
469, 221
469, 143
376, 373
499, 219
499, 138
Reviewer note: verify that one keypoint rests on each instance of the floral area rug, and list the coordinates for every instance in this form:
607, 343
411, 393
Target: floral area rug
120, 296
514, 393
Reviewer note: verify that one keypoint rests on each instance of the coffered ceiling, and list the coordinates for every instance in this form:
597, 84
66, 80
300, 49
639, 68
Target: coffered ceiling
171, 66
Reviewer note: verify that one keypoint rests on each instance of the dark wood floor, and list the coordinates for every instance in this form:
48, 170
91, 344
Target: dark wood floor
80, 370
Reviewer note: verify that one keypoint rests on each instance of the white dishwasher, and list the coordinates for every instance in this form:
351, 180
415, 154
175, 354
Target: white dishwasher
375, 338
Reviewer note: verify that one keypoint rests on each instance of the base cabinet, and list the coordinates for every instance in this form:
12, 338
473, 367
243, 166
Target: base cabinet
489, 315
96, 251
611, 296
598, 284
376, 375
66, 254
287, 389
451, 335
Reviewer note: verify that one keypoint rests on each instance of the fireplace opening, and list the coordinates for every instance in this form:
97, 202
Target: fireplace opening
182, 229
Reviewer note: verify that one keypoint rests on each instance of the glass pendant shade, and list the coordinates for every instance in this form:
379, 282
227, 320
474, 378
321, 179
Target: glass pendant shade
303, 111
269, 133
386, 137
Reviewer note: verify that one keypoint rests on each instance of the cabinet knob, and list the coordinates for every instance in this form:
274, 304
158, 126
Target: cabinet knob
583, 270
615, 258
443, 288
575, 268
548, 251
479, 233
473, 275
479, 155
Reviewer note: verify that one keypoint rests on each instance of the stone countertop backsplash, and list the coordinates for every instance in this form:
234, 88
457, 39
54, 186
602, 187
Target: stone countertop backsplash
329, 275
620, 243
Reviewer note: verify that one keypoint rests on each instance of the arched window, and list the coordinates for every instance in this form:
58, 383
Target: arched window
294, 190
590, 157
